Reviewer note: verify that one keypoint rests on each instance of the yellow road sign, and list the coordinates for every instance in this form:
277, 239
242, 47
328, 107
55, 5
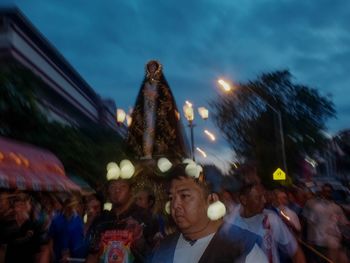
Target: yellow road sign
279, 174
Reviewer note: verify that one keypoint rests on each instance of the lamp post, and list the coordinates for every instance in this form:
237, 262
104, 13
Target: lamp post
189, 115
227, 87
120, 115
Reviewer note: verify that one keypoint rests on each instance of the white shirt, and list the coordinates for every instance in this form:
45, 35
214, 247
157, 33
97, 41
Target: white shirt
323, 218
292, 216
185, 253
278, 234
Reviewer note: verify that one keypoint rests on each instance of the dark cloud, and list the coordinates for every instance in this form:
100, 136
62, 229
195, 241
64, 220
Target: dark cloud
109, 43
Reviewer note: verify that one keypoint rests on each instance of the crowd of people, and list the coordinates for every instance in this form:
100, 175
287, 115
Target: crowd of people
280, 225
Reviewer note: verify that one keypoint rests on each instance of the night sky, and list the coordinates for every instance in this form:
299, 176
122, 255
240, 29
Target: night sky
109, 42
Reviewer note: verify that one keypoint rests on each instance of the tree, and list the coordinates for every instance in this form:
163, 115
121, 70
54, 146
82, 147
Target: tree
251, 127
84, 151
341, 150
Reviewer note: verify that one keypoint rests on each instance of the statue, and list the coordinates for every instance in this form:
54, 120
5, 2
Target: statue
156, 129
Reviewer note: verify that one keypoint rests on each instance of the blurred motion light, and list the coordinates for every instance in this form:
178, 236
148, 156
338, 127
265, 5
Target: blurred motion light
210, 135
225, 85
203, 112
201, 152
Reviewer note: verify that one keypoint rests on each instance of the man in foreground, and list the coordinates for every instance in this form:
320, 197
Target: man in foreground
199, 239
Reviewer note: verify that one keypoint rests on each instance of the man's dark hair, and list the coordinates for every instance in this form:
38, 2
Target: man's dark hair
246, 188
179, 171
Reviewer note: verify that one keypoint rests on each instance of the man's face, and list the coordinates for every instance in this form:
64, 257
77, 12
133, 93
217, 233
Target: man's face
282, 198
188, 205
4, 203
22, 206
142, 199
93, 208
255, 200
119, 192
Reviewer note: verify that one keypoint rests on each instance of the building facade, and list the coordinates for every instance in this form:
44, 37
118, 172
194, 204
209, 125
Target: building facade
64, 96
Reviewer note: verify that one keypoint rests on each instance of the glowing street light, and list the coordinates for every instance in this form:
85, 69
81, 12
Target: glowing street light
188, 111
203, 153
210, 135
203, 112
128, 120
225, 85
189, 115
121, 115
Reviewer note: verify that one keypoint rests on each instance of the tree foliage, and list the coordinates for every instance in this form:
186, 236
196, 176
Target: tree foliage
84, 151
248, 118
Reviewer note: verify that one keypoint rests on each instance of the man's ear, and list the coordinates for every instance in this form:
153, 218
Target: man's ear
213, 197
243, 200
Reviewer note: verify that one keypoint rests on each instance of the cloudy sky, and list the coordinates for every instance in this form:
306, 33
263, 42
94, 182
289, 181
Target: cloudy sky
197, 41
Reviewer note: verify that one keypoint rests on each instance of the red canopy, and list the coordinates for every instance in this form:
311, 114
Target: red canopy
26, 167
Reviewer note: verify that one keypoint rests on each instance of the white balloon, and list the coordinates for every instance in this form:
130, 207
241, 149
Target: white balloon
113, 173
107, 206
164, 164
193, 170
188, 161
127, 169
167, 207
110, 165
216, 210
85, 218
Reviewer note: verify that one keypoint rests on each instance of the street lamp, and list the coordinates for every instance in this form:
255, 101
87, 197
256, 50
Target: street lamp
227, 87
189, 115
128, 120
203, 112
121, 115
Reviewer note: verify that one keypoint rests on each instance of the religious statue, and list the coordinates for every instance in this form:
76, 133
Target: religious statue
156, 129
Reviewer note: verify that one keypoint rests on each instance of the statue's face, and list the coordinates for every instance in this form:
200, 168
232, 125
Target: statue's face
152, 68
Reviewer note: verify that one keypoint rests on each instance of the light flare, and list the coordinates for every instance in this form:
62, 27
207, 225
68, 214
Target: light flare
210, 135
203, 153
189, 104
225, 85
285, 216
